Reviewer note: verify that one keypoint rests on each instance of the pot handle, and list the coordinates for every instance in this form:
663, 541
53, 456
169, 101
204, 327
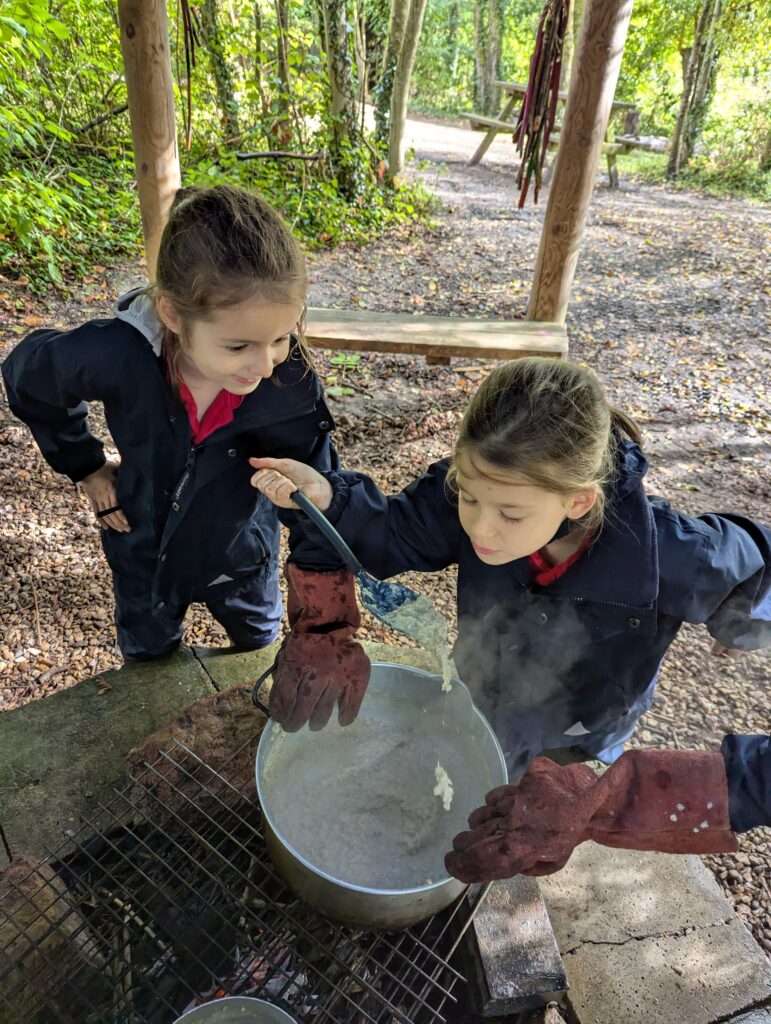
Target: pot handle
256, 689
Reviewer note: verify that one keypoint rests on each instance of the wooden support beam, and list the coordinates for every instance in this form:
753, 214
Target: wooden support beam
595, 73
144, 40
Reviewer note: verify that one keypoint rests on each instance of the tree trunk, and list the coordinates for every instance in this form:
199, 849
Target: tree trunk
260, 55
493, 55
220, 69
453, 38
704, 88
701, 70
375, 36
685, 56
481, 101
396, 25
765, 158
401, 85
360, 49
488, 32
281, 133
346, 135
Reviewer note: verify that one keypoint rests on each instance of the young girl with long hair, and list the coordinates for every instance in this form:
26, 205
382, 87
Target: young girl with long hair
572, 582
197, 373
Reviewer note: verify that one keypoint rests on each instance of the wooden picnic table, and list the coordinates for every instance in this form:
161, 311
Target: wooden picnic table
503, 123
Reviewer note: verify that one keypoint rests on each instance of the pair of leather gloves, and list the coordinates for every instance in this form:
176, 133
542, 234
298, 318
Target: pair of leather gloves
670, 801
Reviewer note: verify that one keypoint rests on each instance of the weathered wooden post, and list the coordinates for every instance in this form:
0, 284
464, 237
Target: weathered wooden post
595, 73
144, 41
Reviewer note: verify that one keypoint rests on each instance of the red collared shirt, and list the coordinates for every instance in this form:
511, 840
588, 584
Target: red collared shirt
219, 414
543, 574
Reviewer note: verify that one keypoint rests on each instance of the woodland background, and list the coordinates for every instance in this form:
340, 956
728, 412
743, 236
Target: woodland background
299, 76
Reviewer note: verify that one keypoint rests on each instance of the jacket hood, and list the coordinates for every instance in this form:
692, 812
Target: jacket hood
138, 309
631, 467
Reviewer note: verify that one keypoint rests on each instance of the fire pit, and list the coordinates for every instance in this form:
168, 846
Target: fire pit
168, 899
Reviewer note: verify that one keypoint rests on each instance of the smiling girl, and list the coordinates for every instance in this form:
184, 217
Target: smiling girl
572, 583
197, 372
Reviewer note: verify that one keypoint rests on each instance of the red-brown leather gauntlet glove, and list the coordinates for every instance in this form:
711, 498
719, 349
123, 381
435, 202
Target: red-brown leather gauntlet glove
667, 800
319, 663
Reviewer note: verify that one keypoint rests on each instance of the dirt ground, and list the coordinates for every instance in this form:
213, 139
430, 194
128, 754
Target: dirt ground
670, 308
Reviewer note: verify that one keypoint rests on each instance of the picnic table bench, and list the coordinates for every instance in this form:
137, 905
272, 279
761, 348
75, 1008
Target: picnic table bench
612, 147
438, 338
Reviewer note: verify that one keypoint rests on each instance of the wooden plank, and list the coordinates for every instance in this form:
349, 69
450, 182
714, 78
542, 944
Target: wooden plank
513, 955
362, 330
520, 88
608, 148
479, 123
630, 142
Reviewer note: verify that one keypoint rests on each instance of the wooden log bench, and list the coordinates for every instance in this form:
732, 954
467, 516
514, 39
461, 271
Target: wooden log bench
493, 126
438, 338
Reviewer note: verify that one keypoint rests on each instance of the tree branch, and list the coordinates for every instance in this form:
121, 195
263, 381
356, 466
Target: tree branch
100, 120
280, 154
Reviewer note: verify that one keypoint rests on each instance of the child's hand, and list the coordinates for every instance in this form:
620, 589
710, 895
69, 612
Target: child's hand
726, 652
100, 488
279, 478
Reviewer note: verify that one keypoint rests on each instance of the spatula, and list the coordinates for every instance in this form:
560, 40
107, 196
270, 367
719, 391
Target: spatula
393, 603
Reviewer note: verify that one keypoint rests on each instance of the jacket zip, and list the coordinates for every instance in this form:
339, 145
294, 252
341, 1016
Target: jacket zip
185, 476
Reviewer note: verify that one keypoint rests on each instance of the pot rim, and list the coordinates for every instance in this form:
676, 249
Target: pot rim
237, 1000
350, 886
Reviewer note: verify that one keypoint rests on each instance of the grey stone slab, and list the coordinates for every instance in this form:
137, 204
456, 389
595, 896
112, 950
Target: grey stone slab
59, 754
227, 670
606, 895
513, 957
703, 977
753, 1017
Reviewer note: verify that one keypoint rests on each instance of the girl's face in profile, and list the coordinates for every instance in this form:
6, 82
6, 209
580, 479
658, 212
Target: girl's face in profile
236, 347
507, 518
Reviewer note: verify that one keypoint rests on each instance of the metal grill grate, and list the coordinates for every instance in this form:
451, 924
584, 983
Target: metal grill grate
167, 898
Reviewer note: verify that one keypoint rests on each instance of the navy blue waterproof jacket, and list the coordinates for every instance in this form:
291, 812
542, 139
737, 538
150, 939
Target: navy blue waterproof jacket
748, 770
199, 529
558, 665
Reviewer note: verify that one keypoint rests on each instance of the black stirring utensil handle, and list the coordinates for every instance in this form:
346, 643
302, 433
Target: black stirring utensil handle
256, 689
334, 538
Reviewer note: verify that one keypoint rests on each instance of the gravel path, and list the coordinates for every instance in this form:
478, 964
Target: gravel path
670, 307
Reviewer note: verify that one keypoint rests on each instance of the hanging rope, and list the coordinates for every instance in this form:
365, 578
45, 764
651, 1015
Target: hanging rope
539, 107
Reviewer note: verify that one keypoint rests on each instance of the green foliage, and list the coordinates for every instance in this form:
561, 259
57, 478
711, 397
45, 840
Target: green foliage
705, 173
60, 224
313, 205
67, 194
443, 80
651, 75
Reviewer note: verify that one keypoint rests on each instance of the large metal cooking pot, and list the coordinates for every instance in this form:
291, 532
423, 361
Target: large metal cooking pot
404, 696
236, 1010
